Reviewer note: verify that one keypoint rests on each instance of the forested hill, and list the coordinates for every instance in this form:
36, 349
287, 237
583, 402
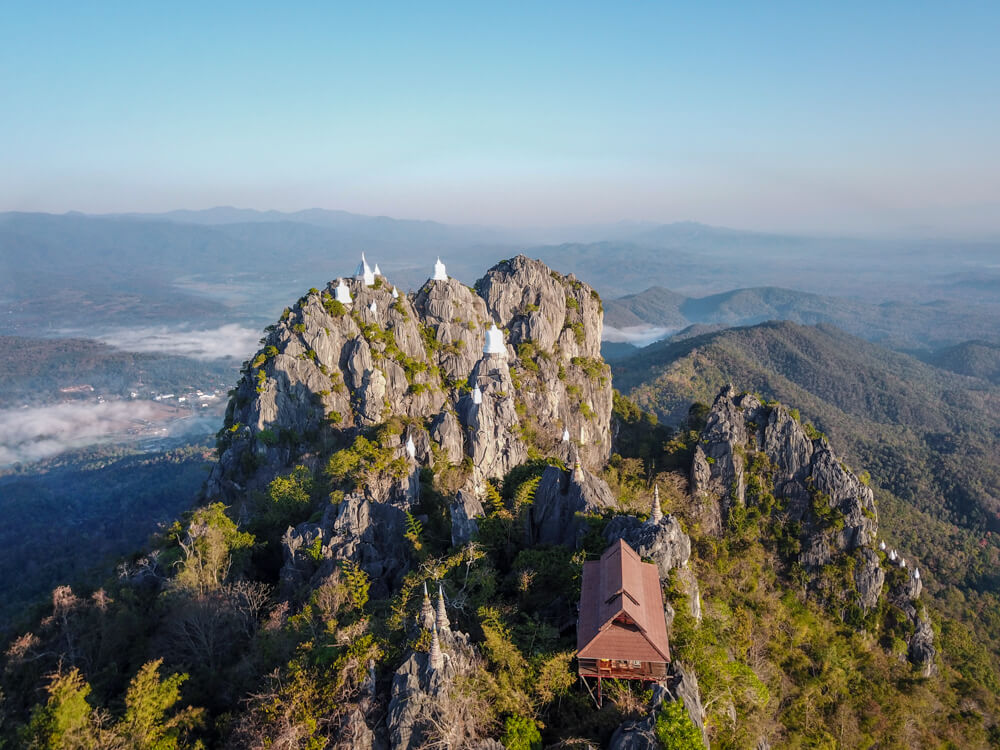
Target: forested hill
929, 437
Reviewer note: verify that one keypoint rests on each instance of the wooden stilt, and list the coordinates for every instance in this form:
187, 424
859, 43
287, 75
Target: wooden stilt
592, 696
600, 696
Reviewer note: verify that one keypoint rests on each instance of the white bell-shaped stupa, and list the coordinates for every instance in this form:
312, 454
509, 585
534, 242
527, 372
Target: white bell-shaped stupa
439, 271
373, 308
411, 449
477, 395
565, 437
902, 563
881, 545
916, 573
892, 555
342, 294
395, 294
494, 342
365, 272
378, 271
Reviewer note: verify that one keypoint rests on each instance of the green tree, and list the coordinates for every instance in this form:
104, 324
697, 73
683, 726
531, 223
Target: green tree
209, 547
675, 730
145, 725
65, 721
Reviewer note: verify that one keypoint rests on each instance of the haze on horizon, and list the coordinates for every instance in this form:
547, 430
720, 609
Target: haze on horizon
851, 119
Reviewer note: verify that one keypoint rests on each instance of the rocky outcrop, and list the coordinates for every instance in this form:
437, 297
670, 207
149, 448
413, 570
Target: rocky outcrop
921, 650
560, 499
464, 511
836, 510
327, 370
868, 577
748, 449
661, 541
422, 708
367, 533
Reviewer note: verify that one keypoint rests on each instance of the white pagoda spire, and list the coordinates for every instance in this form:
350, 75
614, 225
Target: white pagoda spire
426, 618
365, 272
892, 555
439, 271
657, 512
442, 614
436, 658
373, 308
565, 435
477, 395
342, 294
916, 573
395, 294
411, 449
881, 545
577, 470
378, 271
494, 342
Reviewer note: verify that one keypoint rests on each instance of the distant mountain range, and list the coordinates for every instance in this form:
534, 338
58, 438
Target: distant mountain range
226, 264
898, 325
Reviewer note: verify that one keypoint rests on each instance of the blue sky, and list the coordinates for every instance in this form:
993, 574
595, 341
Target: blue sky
832, 117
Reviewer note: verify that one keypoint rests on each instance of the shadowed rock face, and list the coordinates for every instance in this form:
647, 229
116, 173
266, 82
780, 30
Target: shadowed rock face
327, 370
560, 500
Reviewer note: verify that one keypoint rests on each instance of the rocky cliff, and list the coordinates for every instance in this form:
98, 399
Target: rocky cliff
757, 455
350, 356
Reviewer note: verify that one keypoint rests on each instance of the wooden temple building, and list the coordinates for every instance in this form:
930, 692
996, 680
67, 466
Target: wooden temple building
622, 631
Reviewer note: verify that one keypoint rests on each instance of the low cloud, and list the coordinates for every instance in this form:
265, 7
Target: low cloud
32, 434
635, 335
230, 340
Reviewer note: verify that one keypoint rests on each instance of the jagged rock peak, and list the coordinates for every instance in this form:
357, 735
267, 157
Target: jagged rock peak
357, 353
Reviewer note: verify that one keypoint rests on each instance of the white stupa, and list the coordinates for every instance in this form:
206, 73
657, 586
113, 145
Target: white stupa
411, 449
881, 545
892, 555
378, 271
477, 395
494, 342
342, 294
565, 437
916, 573
373, 308
902, 563
365, 272
395, 294
439, 272
657, 512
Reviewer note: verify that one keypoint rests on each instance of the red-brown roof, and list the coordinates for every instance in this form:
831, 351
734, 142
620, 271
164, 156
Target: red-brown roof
621, 609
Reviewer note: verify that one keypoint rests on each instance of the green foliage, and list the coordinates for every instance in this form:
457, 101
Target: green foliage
145, 725
64, 722
675, 730
289, 498
593, 368
571, 303
357, 582
367, 459
413, 531
209, 548
521, 733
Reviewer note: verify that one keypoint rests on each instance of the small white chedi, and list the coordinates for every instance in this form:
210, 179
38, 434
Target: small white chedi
477, 395
342, 294
439, 271
494, 342
364, 272
411, 449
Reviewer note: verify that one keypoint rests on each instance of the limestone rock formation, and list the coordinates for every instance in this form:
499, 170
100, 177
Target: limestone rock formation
746, 445
329, 369
804, 472
421, 709
559, 498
